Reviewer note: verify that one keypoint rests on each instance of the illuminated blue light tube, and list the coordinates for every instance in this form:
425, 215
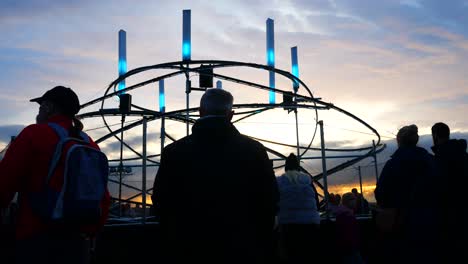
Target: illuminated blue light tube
122, 57
294, 68
219, 84
270, 56
162, 97
186, 35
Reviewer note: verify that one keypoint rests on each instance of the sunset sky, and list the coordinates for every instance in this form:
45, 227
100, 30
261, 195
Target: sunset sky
389, 62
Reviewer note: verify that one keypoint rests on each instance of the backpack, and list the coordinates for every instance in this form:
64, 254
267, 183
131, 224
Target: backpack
85, 178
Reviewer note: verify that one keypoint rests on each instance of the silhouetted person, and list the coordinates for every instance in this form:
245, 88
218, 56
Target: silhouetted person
406, 182
332, 203
24, 169
362, 205
216, 192
347, 231
298, 215
338, 199
452, 161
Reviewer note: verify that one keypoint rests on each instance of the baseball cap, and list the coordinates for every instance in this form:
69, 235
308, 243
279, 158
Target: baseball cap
63, 97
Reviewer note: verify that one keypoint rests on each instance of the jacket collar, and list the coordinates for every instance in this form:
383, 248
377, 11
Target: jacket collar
213, 126
61, 119
409, 152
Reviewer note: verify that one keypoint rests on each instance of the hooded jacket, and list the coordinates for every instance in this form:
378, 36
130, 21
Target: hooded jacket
297, 199
407, 179
452, 161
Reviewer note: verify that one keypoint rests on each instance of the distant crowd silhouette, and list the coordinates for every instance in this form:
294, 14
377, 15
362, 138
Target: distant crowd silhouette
217, 199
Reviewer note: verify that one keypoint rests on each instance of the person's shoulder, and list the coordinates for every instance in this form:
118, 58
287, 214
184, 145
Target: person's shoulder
178, 144
34, 130
247, 141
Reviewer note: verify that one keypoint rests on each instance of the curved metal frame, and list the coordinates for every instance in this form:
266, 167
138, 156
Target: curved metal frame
184, 67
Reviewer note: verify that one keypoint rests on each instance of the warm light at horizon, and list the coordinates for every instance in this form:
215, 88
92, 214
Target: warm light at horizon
367, 189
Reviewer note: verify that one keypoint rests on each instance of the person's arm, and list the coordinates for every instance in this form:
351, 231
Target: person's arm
380, 190
14, 166
159, 187
270, 186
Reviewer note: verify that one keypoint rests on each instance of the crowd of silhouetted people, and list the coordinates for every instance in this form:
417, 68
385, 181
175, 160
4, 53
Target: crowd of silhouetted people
420, 199
217, 199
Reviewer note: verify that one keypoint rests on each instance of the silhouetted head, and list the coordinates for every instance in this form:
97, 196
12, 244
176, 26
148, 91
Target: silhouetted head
354, 190
216, 102
58, 100
338, 198
440, 133
408, 136
349, 200
292, 163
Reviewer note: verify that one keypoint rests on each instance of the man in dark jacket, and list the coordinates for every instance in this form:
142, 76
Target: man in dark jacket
452, 161
215, 191
405, 186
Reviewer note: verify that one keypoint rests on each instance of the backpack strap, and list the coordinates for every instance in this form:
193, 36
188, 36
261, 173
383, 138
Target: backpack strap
64, 137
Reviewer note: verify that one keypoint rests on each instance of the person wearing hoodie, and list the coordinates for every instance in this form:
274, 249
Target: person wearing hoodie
298, 217
405, 185
452, 161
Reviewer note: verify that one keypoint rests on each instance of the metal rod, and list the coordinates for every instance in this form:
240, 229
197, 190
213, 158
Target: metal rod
121, 165
187, 97
143, 172
297, 135
360, 186
324, 166
320, 157
360, 178
375, 162
163, 133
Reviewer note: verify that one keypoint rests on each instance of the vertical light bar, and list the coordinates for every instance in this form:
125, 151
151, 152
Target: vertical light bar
186, 33
295, 68
122, 57
162, 97
270, 54
219, 85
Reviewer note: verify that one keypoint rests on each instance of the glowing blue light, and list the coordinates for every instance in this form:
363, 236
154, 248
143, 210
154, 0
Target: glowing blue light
295, 68
271, 58
186, 35
272, 97
122, 67
162, 97
295, 72
162, 102
122, 71
122, 57
186, 52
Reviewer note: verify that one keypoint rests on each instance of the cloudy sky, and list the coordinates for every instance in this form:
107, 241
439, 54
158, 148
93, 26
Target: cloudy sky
389, 62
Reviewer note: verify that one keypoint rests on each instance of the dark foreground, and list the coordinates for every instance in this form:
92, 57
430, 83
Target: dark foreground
136, 243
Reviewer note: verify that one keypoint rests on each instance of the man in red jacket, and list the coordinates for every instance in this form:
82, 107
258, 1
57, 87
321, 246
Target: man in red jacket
24, 169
